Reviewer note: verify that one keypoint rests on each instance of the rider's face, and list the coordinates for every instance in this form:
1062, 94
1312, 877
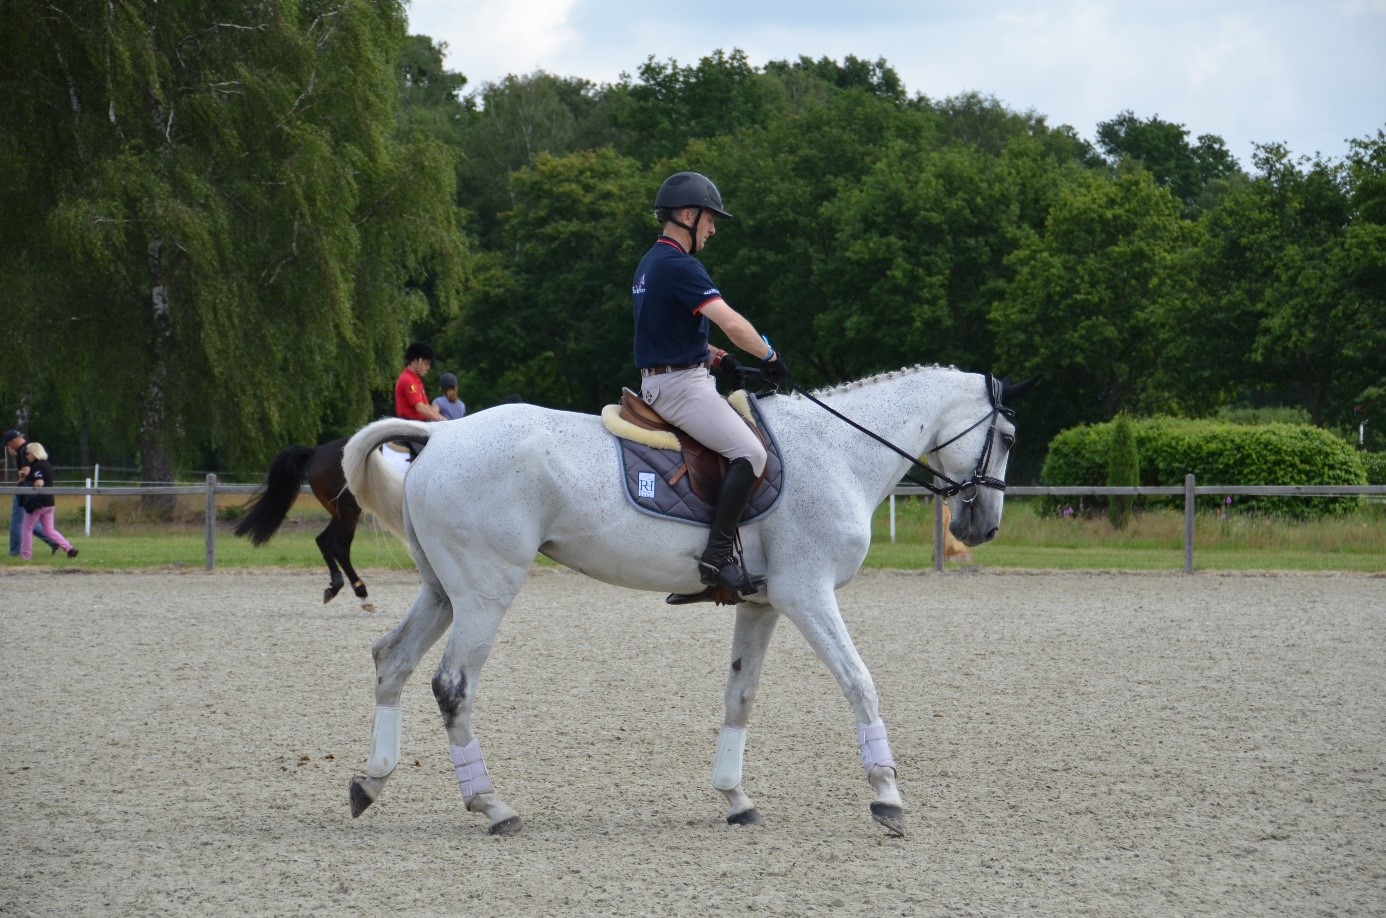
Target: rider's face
707, 228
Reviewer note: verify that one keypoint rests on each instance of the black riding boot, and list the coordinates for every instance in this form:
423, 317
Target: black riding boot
718, 566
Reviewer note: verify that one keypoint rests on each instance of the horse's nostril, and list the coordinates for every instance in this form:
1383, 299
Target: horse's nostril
992, 533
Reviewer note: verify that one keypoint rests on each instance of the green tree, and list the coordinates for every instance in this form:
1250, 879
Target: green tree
1123, 470
1163, 148
209, 218
876, 77
1087, 295
1294, 269
431, 102
549, 315
521, 119
671, 105
779, 180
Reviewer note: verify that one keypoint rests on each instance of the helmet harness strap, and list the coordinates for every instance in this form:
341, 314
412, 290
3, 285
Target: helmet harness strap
692, 230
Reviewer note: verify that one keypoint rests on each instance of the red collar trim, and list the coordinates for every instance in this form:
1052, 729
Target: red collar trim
666, 240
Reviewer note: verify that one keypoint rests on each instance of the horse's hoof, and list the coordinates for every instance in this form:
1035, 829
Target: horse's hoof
890, 816
749, 817
329, 594
360, 800
368, 606
507, 827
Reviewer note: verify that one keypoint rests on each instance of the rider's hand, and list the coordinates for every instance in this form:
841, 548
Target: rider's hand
775, 371
733, 368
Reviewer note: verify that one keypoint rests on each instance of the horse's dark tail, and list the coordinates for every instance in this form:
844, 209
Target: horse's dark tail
272, 504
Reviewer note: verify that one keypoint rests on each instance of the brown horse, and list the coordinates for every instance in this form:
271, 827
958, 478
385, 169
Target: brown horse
321, 466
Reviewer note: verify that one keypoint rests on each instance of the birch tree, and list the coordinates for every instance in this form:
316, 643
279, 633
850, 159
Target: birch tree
209, 218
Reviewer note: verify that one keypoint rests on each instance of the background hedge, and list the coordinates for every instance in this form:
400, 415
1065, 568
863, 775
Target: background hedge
1375, 464
1216, 453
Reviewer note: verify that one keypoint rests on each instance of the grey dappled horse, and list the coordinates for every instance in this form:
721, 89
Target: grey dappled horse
490, 491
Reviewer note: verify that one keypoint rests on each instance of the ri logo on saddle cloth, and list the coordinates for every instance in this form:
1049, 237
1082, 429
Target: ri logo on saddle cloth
668, 473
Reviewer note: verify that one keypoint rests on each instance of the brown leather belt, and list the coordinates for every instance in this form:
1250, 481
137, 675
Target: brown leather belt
657, 371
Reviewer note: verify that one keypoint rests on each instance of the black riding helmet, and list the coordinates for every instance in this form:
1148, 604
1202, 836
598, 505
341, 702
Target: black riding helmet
688, 189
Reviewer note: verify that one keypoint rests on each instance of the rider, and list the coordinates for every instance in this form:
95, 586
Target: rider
674, 299
411, 399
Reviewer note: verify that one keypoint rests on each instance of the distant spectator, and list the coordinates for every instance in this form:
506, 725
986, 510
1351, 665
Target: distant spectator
14, 441
38, 507
448, 404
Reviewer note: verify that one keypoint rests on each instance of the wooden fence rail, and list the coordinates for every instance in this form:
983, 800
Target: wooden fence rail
211, 488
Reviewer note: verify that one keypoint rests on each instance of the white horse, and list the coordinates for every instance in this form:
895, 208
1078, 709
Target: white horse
489, 492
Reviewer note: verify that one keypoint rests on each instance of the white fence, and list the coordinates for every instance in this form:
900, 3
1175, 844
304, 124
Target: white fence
1190, 491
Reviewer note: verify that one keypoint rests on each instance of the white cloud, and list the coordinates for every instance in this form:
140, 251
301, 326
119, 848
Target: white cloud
492, 38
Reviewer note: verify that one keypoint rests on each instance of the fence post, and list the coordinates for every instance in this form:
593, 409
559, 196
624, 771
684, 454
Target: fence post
211, 521
1188, 523
88, 531
938, 532
892, 519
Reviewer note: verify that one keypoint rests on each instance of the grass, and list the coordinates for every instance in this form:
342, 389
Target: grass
1153, 541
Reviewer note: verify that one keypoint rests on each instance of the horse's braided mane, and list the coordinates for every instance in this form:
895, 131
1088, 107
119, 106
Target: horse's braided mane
880, 377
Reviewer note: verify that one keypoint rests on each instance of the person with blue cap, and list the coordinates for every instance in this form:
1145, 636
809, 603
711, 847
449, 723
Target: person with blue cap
448, 404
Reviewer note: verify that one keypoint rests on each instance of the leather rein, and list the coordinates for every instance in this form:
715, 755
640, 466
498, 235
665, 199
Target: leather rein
968, 488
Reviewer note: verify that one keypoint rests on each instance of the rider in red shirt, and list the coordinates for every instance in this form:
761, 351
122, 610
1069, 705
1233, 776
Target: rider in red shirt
411, 399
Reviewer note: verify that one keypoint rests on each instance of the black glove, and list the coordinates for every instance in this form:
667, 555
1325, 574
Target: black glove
776, 371
733, 368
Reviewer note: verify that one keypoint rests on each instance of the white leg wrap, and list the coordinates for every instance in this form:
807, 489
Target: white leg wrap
384, 741
875, 747
472, 776
726, 763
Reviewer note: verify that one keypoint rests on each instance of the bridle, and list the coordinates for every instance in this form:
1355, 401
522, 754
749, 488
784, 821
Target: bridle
979, 476
967, 488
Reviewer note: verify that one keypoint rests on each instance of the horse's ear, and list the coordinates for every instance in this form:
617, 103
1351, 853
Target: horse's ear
1010, 393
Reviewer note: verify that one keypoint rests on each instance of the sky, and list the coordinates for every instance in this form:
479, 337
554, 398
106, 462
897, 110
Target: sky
1307, 73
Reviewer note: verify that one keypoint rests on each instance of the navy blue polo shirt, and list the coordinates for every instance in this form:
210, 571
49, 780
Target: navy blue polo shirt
669, 291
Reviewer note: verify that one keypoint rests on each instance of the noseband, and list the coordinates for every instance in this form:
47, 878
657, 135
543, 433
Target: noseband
968, 488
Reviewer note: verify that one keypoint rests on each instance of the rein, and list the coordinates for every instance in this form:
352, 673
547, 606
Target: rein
968, 488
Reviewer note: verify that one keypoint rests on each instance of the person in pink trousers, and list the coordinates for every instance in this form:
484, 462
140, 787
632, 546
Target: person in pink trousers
38, 507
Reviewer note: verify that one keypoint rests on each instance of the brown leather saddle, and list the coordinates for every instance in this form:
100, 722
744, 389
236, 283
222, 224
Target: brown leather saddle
704, 467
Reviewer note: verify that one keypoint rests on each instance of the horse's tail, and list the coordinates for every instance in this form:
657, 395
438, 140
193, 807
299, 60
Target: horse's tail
280, 490
377, 486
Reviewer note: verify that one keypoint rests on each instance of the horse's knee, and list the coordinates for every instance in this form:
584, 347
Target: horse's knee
451, 695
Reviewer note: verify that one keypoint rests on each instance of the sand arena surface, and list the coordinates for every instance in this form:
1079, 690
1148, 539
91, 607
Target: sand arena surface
1069, 744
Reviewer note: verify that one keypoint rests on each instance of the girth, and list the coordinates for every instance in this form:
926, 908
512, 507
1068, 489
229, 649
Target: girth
704, 467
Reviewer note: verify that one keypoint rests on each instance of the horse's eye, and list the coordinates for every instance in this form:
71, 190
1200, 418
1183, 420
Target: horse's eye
1008, 440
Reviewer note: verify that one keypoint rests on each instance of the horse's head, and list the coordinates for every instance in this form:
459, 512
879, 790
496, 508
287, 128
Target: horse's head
971, 448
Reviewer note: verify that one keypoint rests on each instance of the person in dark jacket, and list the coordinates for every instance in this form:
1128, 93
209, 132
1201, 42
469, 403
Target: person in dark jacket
674, 301
38, 507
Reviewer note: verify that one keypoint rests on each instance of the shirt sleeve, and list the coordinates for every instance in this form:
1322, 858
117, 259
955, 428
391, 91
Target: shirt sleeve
694, 287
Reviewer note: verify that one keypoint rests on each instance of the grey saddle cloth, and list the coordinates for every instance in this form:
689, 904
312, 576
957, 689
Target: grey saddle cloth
648, 470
